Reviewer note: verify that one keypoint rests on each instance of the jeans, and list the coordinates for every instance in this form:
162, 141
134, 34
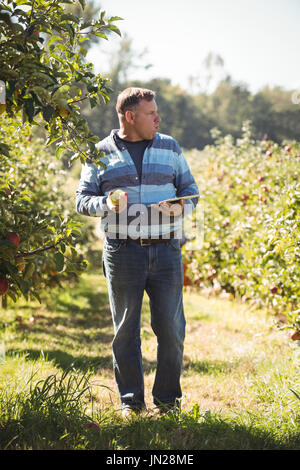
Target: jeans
130, 269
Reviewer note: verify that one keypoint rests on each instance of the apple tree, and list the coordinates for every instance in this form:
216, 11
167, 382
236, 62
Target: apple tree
41, 238
44, 77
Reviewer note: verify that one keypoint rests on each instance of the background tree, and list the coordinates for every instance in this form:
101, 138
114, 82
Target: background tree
229, 105
123, 63
213, 100
211, 73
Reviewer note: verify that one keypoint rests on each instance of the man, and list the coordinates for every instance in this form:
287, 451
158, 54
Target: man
142, 253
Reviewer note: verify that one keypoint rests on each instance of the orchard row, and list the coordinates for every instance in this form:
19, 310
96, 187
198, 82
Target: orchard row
251, 248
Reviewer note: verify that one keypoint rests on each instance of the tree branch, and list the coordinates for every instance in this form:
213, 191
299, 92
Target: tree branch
40, 250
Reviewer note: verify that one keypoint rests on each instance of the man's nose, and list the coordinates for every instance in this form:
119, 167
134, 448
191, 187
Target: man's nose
157, 118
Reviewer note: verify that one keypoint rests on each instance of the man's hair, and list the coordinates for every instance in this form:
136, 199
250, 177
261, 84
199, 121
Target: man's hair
130, 97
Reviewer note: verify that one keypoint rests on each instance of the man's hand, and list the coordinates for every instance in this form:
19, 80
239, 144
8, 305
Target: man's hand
172, 210
117, 207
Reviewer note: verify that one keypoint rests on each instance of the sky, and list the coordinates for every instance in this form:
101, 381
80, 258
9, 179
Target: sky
258, 40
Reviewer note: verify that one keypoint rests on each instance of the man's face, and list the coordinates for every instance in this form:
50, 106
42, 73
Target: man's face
146, 120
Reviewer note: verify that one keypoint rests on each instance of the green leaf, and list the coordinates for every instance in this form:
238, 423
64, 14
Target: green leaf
53, 39
53, 139
59, 261
29, 270
48, 113
82, 3
29, 109
114, 29
115, 18
75, 157
59, 150
24, 286
68, 27
36, 295
64, 89
94, 139
12, 295
4, 149
69, 17
100, 35
23, 2
83, 51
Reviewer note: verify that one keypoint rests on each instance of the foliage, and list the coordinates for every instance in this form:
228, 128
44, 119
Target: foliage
232, 103
43, 45
42, 63
48, 415
34, 206
251, 196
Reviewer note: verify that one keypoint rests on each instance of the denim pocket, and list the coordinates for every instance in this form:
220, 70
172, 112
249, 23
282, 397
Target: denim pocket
111, 245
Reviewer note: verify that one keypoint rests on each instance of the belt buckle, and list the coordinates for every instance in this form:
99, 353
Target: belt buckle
144, 242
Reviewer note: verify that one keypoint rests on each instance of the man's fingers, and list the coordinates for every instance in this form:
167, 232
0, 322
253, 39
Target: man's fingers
170, 209
122, 203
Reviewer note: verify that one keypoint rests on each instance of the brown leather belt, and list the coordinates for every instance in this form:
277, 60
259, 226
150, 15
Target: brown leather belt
151, 241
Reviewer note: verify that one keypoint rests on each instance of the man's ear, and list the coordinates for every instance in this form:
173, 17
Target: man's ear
129, 117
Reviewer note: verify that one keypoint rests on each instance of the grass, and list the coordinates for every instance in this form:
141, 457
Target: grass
240, 377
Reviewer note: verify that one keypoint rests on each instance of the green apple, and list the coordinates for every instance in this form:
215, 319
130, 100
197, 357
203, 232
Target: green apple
115, 196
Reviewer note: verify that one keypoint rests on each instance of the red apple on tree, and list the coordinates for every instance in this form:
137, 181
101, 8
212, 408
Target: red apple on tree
14, 238
295, 336
93, 425
36, 33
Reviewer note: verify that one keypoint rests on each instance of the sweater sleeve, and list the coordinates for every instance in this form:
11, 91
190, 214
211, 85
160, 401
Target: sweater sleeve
89, 199
185, 182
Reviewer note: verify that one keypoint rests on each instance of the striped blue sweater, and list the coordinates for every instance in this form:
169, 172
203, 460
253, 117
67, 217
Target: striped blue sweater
165, 174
